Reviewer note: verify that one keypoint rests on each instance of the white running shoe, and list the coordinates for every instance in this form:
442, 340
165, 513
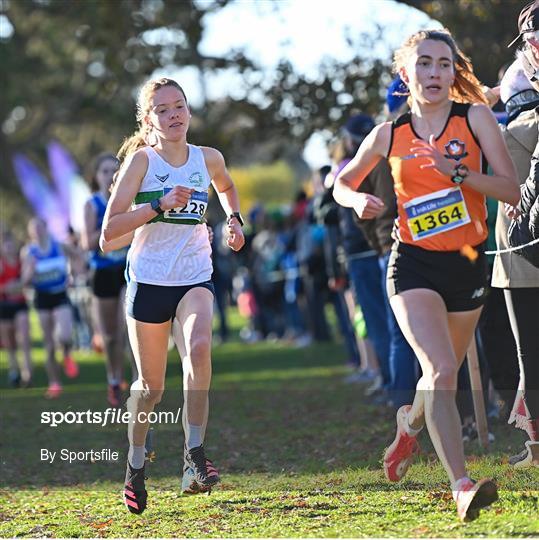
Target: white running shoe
528, 457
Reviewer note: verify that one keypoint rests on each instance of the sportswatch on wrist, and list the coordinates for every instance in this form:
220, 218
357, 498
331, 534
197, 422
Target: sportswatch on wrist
156, 207
459, 173
236, 215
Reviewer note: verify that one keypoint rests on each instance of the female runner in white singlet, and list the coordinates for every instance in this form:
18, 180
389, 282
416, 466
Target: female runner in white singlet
158, 204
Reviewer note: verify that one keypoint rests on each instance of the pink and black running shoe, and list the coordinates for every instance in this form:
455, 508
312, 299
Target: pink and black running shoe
199, 473
135, 494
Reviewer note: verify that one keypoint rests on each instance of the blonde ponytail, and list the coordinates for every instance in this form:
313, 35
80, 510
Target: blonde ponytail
132, 144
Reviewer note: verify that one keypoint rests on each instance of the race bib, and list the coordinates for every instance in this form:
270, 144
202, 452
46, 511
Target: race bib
436, 213
193, 210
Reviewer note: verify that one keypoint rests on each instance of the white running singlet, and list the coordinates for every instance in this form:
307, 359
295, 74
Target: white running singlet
173, 248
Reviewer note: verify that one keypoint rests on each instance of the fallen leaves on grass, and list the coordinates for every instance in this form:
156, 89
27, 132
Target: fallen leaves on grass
440, 495
101, 525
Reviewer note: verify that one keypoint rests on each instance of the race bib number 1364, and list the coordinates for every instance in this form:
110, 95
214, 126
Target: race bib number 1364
436, 213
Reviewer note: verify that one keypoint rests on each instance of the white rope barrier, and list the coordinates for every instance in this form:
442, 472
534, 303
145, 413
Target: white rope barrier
509, 250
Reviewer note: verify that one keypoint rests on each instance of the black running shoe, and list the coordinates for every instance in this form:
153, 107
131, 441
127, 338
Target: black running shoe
199, 473
135, 494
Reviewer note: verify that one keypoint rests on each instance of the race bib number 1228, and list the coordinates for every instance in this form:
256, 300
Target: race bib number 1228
193, 210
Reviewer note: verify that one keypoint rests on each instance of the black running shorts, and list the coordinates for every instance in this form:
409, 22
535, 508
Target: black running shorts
108, 282
9, 310
460, 281
47, 301
157, 303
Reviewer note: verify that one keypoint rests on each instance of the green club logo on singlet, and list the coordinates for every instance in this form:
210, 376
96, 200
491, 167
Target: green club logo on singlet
196, 179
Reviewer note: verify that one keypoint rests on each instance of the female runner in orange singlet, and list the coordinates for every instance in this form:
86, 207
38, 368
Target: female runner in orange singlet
437, 154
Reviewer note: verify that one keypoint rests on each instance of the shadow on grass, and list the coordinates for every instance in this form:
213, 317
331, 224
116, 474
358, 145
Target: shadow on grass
283, 422
322, 431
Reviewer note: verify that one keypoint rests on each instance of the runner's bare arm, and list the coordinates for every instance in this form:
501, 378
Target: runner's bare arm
117, 243
89, 237
118, 219
28, 266
221, 180
227, 193
374, 147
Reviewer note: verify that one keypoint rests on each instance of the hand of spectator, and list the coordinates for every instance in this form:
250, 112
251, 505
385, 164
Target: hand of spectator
492, 95
511, 211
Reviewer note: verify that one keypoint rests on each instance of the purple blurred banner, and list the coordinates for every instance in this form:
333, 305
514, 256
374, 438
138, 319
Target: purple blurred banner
61, 204
41, 196
63, 168
72, 190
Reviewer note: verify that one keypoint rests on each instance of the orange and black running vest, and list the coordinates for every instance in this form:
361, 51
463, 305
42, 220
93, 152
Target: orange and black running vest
433, 212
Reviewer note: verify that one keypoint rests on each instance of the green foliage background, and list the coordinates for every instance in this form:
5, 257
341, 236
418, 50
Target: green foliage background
71, 69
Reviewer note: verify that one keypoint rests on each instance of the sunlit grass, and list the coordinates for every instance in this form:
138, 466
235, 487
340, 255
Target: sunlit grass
298, 450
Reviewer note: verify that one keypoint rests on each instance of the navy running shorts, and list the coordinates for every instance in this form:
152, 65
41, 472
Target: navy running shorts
157, 303
461, 282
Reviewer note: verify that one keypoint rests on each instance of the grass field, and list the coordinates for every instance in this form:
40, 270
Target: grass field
298, 450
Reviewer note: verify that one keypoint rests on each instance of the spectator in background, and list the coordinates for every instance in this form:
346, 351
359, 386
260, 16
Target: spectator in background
403, 366
310, 238
507, 270
396, 98
518, 278
325, 214
293, 280
361, 259
267, 250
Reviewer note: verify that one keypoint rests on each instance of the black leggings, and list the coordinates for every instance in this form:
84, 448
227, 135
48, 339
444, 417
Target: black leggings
522, 307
